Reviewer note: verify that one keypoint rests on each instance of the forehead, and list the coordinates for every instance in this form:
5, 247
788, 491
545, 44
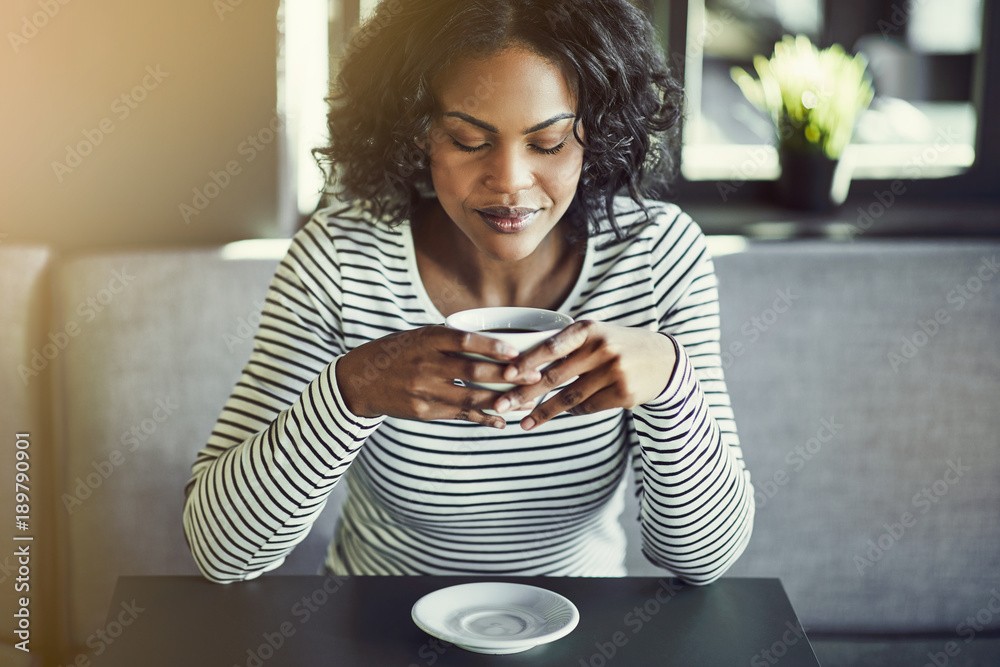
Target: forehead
515, 85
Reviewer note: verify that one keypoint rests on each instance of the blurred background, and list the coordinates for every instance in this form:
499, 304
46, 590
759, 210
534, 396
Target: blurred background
191, 123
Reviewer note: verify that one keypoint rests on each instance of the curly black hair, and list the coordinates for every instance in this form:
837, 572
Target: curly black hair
628, 103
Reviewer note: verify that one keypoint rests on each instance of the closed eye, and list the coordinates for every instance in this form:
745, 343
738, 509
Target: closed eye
550, 151
468, 149
476, 149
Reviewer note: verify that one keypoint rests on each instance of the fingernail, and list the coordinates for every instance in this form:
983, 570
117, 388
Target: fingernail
503, 405
509, 352
527, 423
530, 405
499, 423
510, 373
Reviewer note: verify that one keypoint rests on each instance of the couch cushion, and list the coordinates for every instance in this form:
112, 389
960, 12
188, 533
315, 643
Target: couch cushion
865, 381
163, 338
25, 359
829, 375
965, 651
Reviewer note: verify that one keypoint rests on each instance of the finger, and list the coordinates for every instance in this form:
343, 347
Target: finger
468, 342
580, 397
475, 371
504, 405
456, 396
466, 405
605, 399
553, 376
526, 396
558, 346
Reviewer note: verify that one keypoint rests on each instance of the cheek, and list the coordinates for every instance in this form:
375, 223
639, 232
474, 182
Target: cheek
564, 175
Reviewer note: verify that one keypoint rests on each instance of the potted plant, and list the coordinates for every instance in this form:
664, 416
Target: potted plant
814, 99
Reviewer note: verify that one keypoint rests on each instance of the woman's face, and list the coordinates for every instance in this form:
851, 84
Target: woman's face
503, 158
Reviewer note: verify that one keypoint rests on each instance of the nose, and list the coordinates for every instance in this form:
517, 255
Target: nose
509, 170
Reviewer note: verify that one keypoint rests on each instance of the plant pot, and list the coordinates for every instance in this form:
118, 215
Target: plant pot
811, 181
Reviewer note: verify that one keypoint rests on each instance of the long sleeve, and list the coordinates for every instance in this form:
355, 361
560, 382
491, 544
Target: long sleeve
696, 499
285, 436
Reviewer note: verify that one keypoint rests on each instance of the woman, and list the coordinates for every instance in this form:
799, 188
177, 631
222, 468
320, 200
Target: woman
479, 148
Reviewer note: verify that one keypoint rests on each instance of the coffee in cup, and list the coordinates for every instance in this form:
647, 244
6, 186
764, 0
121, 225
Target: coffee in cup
521, 328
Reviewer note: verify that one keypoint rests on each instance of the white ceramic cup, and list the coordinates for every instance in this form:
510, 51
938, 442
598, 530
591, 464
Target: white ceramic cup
540, 324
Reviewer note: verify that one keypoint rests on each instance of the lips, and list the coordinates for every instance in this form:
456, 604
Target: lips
507, 211
505, 219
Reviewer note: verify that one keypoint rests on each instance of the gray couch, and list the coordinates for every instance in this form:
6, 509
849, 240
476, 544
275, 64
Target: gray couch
865, 379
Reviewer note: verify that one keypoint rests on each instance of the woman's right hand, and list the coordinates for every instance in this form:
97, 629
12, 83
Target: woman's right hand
411, 374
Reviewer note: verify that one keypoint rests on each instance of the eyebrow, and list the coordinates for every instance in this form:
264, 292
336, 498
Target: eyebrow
489, 128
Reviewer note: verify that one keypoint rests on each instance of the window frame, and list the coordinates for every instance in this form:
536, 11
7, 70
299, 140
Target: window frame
671, 20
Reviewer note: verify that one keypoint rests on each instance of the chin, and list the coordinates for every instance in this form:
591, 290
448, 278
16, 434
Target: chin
508, 250
513, 247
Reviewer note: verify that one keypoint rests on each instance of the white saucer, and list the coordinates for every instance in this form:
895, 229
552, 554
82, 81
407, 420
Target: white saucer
495, 617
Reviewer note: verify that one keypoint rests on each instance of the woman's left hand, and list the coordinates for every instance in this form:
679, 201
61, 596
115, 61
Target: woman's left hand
618, 367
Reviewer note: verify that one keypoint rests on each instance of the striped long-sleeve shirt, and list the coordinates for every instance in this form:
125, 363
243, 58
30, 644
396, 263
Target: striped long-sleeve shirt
451, 497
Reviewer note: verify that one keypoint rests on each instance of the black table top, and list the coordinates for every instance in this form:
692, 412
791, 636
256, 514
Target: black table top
345, 621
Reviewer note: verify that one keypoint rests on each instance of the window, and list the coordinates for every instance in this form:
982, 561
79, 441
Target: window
303, 82
921, 56
934, 72
313, 34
